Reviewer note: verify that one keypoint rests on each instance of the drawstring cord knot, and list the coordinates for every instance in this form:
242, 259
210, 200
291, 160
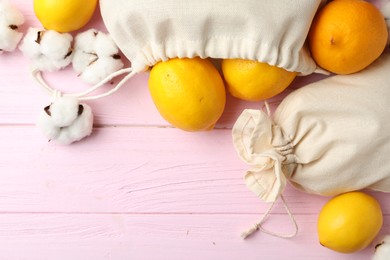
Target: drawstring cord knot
66, 120
258, 225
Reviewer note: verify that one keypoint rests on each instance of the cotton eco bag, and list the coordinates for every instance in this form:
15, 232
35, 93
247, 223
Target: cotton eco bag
329, 137
272, 31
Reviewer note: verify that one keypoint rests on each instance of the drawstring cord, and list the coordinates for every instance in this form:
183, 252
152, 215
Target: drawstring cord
258, 225
82, 96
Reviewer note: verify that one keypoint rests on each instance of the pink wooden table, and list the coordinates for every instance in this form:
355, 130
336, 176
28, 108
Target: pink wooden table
138, 188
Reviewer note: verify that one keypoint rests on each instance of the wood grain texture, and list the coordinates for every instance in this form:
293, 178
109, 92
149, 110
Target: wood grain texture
155, 236
137, 188
132, 170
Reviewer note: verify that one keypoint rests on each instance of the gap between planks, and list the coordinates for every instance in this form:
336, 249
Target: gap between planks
101, 126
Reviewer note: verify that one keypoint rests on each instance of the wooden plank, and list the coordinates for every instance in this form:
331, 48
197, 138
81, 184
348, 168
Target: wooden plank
123, 236
132, 170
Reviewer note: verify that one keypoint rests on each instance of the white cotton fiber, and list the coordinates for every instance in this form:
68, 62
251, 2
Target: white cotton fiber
64, 111
85, 41
56, 45
82, 59
47, 50
81, 127
97, 71
95, 56
66, 120
49, 130
10, 14
105, 46
382, 250
10, 20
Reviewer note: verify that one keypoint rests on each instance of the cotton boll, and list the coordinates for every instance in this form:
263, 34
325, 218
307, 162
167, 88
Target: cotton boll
56, 46
382, 250
47, 50
81, 60
105, 46
81, 127
64, 111
100, 69
29, 45
95, 56
66, 120
10, 20
9, 39
10, 14
48, 128
84, 41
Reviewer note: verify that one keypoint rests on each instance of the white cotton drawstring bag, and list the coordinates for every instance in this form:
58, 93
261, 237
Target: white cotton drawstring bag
272, 31
327, 138
149, 31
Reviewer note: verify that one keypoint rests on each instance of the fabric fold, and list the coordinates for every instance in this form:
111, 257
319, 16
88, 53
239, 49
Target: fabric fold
253, 137
327, 138
271, 31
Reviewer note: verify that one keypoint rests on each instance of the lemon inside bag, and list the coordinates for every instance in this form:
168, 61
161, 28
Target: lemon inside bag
189, 93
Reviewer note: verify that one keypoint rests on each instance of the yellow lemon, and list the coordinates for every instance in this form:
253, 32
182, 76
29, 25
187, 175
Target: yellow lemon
347, 36
64, 15
349, 222
255, 81
188, 93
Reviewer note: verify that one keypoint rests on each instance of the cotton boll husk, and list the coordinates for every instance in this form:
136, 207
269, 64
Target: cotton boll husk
64, 111
382, 250
100, 69
81, 127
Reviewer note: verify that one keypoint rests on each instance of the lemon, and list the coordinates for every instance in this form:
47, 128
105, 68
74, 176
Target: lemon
64, 15
255, 81
346, 42
349, 222
188, 93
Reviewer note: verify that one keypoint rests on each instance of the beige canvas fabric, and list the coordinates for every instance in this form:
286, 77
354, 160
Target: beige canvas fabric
272, 31
329, 137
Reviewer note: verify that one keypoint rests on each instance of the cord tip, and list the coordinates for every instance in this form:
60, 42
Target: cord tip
246, 234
